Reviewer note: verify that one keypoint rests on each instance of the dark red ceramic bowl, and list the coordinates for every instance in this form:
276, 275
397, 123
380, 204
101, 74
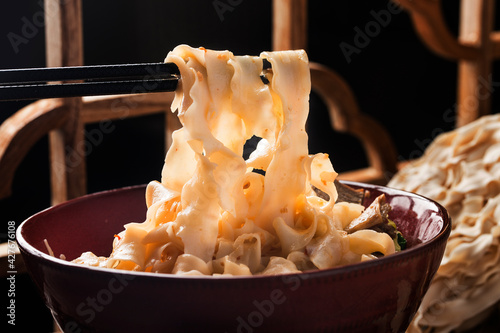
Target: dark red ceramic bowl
375, 296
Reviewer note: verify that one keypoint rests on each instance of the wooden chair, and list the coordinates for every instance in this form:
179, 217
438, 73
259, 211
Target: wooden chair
475, 49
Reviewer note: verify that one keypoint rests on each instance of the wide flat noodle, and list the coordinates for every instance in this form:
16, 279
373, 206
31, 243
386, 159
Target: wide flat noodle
215, 213
461, 170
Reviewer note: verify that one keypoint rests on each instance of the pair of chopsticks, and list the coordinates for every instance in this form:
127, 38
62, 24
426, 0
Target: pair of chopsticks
53, 82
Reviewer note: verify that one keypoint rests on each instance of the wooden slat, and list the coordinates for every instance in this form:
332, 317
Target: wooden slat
474, 75
99, 108
289, 24
475, 49
428, 21
63, 28
21, 131
345, 116
495, 44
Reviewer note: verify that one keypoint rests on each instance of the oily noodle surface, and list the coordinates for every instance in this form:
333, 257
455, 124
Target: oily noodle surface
211, 213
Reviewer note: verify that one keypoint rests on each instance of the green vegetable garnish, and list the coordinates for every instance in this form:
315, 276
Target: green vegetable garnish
399, 240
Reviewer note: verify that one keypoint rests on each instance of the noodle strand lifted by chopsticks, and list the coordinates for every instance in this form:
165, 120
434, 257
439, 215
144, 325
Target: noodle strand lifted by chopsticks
212, 213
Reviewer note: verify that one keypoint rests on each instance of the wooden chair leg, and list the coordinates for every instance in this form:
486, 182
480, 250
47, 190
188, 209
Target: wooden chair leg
289, 24
64, 47
474, 75
68, 156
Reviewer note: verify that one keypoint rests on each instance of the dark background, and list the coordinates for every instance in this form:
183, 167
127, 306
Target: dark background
395, 78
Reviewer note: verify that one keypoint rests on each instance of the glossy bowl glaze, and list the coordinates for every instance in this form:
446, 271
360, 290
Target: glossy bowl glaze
375, 296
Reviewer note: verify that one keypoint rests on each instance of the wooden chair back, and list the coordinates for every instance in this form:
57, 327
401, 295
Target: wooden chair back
475, 49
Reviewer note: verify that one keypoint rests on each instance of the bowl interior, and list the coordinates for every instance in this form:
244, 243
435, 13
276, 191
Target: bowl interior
85, 224
89, 223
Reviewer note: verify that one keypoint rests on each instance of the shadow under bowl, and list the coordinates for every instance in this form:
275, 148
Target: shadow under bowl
376, 296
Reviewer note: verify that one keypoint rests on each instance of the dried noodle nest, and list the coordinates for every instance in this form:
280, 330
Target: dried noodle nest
461, 170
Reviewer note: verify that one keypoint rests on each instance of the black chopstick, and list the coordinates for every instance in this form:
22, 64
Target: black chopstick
48, 74
55, 82
41, 91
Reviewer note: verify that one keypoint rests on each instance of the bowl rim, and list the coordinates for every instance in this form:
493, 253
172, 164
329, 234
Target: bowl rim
340, 270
